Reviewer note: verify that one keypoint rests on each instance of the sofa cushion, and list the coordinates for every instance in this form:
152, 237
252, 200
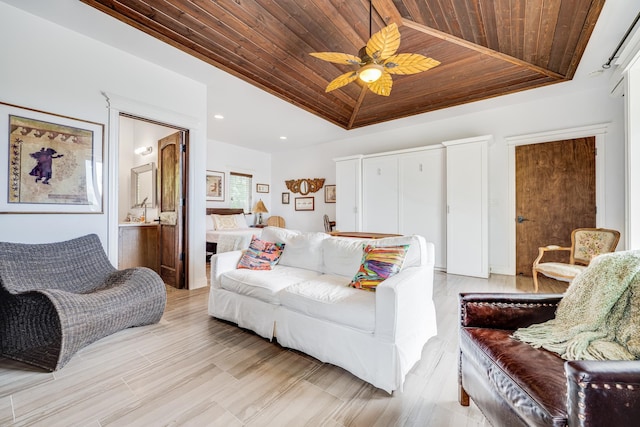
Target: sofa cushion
302, 249
530, 380
343, 255
261, 255
264, 284
416, 254
329, 297
378, 264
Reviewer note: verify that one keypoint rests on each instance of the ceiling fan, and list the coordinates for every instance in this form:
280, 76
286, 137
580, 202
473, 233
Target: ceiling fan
377, 61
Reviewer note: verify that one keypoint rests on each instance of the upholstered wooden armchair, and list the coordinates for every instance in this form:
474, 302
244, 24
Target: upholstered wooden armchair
586, 243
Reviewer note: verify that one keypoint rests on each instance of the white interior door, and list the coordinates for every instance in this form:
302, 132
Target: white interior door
467, 207
380, 194
422, 198
348, 185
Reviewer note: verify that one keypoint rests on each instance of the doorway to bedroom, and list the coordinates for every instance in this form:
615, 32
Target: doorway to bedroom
152, 230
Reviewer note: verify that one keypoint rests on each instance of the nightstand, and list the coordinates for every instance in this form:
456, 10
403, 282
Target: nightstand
258, 226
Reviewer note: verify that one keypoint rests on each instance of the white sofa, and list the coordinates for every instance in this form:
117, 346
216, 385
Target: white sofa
304, 301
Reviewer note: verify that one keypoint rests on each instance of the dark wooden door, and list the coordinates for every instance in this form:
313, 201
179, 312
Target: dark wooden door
171, 206
555, 193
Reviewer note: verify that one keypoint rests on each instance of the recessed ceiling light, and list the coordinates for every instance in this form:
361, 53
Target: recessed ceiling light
283, 137
218, 116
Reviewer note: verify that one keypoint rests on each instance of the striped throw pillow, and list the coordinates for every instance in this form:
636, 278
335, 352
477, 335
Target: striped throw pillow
378, 264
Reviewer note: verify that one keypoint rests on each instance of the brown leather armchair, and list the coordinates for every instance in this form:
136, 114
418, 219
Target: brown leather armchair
515, 384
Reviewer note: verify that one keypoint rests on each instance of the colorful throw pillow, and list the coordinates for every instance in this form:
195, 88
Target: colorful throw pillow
261, 255
378, 264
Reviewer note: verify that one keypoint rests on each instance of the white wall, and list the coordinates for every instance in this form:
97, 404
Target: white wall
632, 98
548, 112
53, 69
312, 162
223, 157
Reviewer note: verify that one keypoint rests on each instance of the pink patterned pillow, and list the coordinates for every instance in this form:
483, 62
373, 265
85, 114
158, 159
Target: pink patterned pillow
261, 255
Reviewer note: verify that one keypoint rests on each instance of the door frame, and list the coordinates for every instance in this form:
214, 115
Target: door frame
598, 131
118, 104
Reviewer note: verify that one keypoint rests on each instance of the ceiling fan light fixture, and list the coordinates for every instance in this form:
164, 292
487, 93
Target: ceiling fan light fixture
370, 73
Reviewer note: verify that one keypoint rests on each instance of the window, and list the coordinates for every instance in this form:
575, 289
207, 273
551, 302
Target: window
240, 190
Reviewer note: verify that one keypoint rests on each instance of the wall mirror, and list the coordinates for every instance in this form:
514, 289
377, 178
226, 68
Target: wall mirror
305, 186
143, 186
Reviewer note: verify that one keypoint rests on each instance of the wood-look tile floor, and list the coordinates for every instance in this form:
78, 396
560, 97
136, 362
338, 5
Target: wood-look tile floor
193, 370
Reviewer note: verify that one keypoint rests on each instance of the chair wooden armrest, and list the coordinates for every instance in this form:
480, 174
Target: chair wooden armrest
544, 249
541, 251
586, 243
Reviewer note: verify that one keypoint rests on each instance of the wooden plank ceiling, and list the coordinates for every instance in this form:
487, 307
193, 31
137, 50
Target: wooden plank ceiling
486, 48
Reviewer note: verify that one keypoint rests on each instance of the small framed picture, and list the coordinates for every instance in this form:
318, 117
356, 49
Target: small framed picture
285, 198
215, 186
304, 203
262, 188
329, 193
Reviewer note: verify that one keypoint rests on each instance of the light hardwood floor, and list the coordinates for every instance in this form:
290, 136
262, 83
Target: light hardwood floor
193, 370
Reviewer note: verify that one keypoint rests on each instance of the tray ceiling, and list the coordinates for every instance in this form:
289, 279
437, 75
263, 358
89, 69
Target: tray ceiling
486, 48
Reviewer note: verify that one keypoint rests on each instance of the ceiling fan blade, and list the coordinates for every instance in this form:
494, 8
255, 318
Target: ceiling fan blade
409, 63
337, 57
384, 43
342, 80
382, 86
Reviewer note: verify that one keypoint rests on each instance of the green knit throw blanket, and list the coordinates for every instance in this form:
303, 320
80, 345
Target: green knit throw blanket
599, 316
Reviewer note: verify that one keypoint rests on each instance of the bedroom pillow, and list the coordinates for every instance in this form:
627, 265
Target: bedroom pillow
261, 255
241, 221
225, 222
378, 264
210, 224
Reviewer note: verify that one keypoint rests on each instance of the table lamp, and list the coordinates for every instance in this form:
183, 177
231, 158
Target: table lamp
259, 209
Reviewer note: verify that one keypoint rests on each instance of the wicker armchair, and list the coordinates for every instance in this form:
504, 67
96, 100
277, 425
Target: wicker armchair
56, 298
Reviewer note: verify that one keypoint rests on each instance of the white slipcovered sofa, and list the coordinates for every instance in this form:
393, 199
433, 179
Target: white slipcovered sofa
306, 303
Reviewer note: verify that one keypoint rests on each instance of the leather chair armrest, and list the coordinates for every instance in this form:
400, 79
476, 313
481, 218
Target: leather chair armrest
603, 392
506, 311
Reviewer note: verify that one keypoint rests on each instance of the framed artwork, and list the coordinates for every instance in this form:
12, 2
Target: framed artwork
215, 186
53, 162
304, 203
262, 188
285, 198
329, 193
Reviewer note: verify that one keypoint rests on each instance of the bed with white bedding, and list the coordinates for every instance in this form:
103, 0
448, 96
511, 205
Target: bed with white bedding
227, 230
